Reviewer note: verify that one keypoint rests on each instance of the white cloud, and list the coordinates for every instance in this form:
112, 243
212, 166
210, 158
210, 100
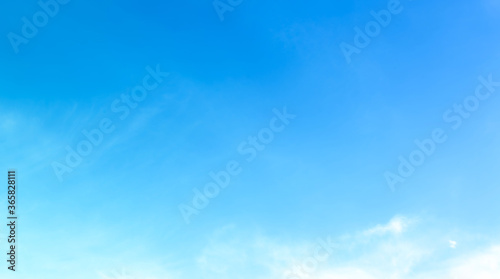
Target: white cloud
231, 253
396, 225
483, 264
394, 250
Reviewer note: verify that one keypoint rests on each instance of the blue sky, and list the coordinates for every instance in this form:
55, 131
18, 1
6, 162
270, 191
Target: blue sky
321, 176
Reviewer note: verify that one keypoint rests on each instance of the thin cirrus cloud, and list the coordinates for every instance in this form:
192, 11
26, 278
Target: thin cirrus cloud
391, 250
402, 248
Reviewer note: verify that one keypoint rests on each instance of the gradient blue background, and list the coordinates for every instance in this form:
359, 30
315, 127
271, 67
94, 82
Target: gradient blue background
323, 175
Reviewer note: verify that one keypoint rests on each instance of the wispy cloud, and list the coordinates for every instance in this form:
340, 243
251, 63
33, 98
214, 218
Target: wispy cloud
402, 248
396, 225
